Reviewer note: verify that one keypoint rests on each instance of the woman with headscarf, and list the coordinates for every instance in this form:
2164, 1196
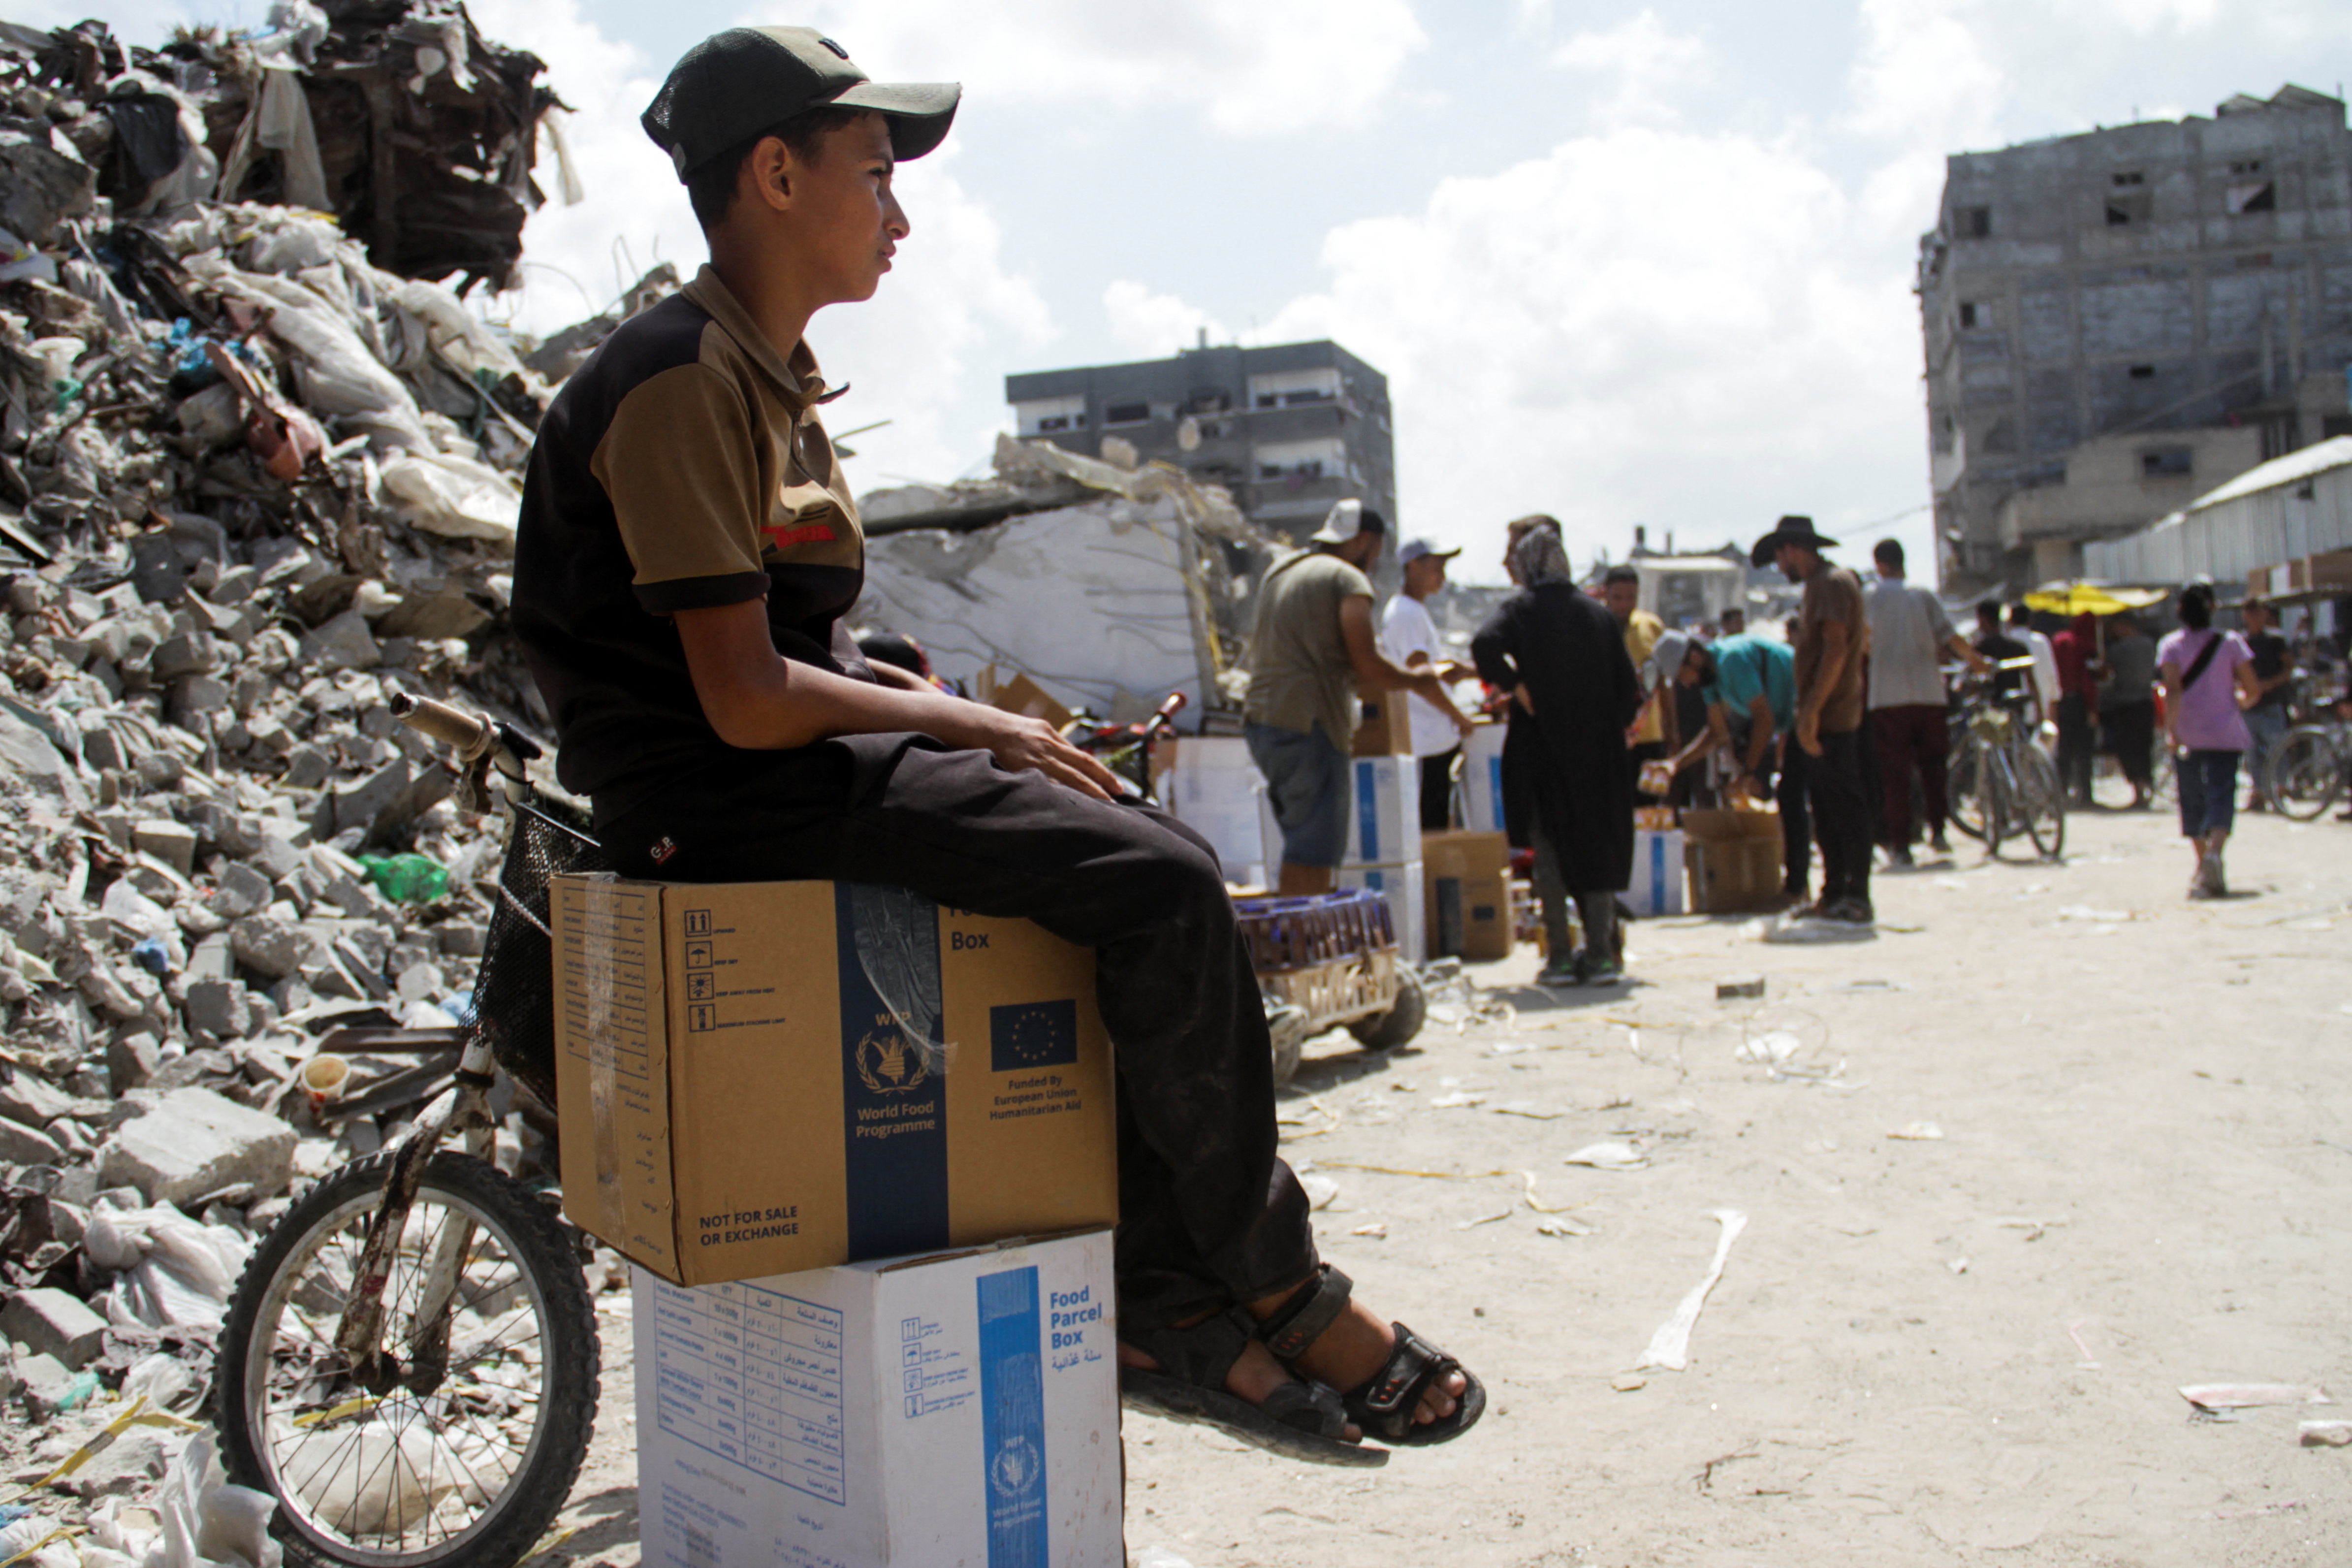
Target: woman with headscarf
1568, 786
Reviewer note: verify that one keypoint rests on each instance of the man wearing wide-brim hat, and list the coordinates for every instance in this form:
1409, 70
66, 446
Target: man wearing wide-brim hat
1833, 643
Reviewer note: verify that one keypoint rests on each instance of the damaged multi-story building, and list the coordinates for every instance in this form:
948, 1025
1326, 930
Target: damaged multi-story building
1287, 429
2118, 322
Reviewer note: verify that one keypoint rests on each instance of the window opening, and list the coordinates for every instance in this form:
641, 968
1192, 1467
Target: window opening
1972, 223
2261, 198
2143, 372
2167, 463
1127, 414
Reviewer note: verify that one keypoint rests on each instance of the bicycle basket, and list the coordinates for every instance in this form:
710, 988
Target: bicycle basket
1991, 725
514, 990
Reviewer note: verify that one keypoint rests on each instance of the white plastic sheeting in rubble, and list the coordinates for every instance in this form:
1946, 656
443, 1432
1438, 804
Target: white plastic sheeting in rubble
452, 496
386, 1472
1093, 602
207, 1522
170, 1270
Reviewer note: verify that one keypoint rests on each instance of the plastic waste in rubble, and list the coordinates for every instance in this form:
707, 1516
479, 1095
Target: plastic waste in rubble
173, 1271
207, 1522
407, 878
385, 1469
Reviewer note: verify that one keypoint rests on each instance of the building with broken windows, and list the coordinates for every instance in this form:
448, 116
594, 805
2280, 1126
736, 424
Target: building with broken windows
1286, 430
2118, 322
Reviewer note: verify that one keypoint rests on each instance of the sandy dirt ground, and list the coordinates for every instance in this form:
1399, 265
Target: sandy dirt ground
2053, 1143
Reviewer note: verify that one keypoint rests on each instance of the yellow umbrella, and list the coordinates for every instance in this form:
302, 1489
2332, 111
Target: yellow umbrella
2073, 599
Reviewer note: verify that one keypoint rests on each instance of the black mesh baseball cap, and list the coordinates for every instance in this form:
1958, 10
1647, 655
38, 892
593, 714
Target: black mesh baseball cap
735, 84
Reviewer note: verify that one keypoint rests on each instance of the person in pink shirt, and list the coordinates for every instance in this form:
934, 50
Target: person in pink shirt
2209, 682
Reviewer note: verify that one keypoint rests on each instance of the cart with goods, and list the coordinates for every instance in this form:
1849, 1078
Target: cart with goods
1327, 961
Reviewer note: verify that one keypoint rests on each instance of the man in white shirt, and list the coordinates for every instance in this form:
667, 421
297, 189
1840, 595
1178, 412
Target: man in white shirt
2045, 664
1410, 637
1909, 637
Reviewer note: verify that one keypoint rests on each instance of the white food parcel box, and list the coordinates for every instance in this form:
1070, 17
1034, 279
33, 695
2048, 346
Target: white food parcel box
959, 1410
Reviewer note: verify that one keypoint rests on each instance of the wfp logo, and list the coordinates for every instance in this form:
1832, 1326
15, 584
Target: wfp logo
1016, 1467
888, 1064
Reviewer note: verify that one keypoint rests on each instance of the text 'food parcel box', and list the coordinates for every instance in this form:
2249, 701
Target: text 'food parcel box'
1469, 880
1735, 859
956, 1411
759, 1077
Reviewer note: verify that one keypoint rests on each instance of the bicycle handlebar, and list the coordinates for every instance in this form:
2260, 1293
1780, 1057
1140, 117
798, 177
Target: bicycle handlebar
472, 733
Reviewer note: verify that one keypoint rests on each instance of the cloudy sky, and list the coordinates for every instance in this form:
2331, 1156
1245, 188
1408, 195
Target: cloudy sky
1624, 263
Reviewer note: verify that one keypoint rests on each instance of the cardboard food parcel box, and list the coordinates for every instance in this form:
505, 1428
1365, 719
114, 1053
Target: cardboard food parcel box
1385, 726
752, 1081
945, 1411
1735, 859
1469, 879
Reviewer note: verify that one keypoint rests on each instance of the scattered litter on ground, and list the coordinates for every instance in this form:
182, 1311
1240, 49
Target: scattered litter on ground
1670, 1346
1458, 1100
2248, 1396
1320, 1190
1611, 1156
2074, 1332
1555, 1226
1378, 1230
1627, 1381
1534, 1110
1797, 928
2323, 1434
2107, 917
1917, 1132
1744, 985
1484, 1219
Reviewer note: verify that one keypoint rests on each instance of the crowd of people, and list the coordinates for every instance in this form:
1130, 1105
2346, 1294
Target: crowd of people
1844, 725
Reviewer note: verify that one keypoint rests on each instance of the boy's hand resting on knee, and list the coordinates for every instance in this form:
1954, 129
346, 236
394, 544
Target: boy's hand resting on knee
757, 700
1018, 742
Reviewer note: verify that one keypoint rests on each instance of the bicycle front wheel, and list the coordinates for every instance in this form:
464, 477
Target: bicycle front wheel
2306, 775
466, 1464
2040, 803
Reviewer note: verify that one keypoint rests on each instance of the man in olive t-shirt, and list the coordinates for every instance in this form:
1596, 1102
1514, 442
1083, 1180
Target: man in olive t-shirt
1314, 647
1832, 641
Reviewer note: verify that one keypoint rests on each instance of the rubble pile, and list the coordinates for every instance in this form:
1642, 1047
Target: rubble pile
258, 471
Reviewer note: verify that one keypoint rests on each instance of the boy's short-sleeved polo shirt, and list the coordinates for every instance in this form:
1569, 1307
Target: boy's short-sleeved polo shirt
683, 467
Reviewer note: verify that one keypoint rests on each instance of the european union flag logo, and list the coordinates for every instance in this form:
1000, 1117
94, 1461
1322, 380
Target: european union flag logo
1033, 1035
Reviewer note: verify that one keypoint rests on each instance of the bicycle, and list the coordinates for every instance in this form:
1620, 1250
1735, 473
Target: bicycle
2002, 782
409, 1363
2311, 770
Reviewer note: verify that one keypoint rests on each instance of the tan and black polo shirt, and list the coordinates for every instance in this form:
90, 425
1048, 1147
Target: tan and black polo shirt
683, 467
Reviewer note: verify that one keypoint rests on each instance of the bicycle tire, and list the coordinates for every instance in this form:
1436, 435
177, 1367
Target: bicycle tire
2305, 774
563, 1388
1992, 800
2042, 802
1961, 786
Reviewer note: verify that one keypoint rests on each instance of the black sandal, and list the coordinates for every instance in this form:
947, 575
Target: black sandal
1300, 1420
1385, 1404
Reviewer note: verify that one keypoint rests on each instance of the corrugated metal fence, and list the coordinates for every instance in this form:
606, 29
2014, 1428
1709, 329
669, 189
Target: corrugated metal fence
2304, 515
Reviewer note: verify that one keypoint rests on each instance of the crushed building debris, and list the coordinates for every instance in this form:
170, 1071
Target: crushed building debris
1148, 574
259, 470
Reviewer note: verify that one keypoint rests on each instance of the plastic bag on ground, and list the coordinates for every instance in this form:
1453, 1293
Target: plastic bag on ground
339, 375
174, 1272
385, 1471
208, 1523
452, 496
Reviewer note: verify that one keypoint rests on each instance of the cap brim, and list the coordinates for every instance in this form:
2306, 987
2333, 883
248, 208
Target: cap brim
919, 112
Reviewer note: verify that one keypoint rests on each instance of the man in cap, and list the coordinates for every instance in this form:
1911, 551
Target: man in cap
1314, 646
687, 552
1833, 642
1410, 637
1748, 684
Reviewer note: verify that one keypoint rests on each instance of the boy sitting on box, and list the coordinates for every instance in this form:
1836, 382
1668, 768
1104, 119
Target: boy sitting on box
689, 547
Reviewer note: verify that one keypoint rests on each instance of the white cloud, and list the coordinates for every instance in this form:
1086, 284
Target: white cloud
1254, 68
1155, 325
1684, 331
1924, 76
1651, 67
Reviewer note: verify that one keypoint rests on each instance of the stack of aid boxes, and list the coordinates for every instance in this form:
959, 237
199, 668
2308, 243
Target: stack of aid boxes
1382, 850
861, 1151
1209, 784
